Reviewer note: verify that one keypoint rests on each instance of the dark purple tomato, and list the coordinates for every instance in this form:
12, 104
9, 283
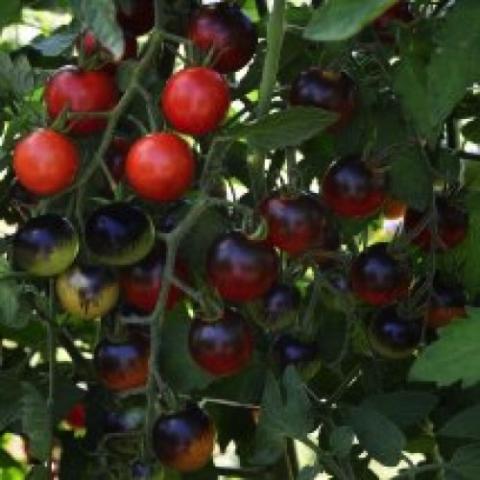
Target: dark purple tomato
451, 224
136, 16
331, 91
378, 278
116, 156
446, 304
184, 441
293, 351
353, 189
227, 32
241, 269
295, 224
281, 299
222, 347
124, 421
393, 336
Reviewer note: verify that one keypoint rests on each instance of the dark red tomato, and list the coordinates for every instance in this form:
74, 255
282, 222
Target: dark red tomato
451, 225
353, 189
45, 162
394, 209
225, 31
184, 440
446, 304
292, 351
223, 347
281, 299
195, 100
81, 92
332, 91
377, 277
76, 417
160, 167
295, 224
137, 17
399, 12
241, 269
122, 365
116, 157
393, 336
89, 45
141, 282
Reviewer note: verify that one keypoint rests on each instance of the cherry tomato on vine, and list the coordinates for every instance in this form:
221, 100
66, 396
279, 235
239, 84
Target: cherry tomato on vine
160, 167
222, 347
45, 162
116, 157
195, 100
119, 234
329, 90
81, 92
76, 417
452, 224
226, 33
447, 303
87, 291
184, 440
45, 246
353, 189
137, 17
295, 224
241, 269
393, 336
281, 299
293, 351
379, 278
142, 281
122, 364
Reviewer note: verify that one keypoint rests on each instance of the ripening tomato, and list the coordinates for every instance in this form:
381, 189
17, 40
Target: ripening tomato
447, 303
377, 277
76, 417
226, 33
136, 17
222, 347
45, 162
394, 209
81, 92
241, 269
184, 440
195, 100
160, 167
280, 300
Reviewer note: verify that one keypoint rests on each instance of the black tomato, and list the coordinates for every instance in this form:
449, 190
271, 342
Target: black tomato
293, 351
227, 32
241, 269
353, 189
119, 234
116, 156
223, 347
281, 299
45, 246
377, 277
137, 17
446, 304
184, 440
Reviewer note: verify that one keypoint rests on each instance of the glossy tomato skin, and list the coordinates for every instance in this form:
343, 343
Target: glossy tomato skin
241, 269
378, 278
295, 224
119, 234
116, 157
76, 417
393, 336
281, 299
223, 347
352, 189
195, 100
87, 291
228, 32
184, 441
45, 246
139, 18
45, 162
142, 281
332, 91
446, 304
122, 365
452, 226
81, 92
293, 351
160, 167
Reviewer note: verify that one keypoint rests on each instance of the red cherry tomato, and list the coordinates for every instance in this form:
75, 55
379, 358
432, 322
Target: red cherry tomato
226, 30
45, 162
138, 17
196, 100
76, 417
241, 269
160, 167
81, 92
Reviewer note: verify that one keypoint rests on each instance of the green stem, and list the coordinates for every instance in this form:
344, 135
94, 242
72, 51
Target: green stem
51, 341
325, 459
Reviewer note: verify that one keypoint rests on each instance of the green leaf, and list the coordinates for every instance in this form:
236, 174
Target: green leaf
341, 19
9, 306
284, 129
466, 461
10, 394
57, 43
465, 424
377, 435
10, 11
454, 357
471, 131
341, 441
35, 421
16, 77
404, 408
309, 473
38, 472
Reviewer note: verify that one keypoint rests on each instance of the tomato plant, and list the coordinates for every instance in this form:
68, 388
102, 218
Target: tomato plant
239, 239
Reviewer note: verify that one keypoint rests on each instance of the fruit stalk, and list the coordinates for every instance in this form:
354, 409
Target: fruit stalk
52, 349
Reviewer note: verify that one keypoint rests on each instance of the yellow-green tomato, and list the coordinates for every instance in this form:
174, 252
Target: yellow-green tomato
87, 291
